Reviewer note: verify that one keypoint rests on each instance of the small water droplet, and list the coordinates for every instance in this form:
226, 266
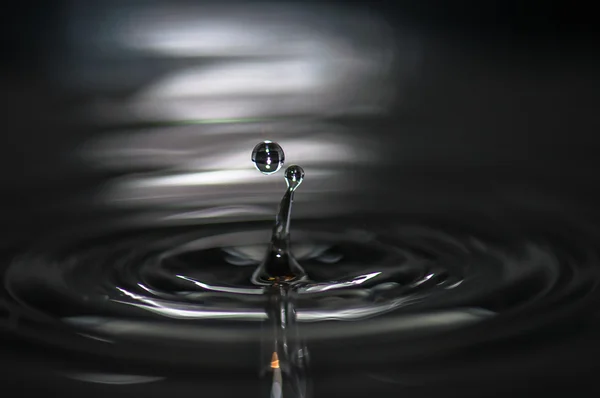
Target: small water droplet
268, 157
294, 176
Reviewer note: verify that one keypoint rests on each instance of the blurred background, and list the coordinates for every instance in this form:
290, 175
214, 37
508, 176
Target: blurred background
151, 108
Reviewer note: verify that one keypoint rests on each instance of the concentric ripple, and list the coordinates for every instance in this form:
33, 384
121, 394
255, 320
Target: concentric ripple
192, 285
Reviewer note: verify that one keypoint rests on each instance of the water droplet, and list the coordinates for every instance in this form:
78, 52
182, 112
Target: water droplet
294, 176
268, 157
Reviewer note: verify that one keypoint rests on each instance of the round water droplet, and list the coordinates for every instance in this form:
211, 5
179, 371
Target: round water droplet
294, 176
268, 157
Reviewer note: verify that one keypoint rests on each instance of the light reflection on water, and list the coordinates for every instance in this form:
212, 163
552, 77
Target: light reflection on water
254, 61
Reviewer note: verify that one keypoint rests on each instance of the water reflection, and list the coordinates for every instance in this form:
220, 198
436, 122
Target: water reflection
272, 72
246, 61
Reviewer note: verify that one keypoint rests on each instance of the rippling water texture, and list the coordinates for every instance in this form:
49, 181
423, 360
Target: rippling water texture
447, 224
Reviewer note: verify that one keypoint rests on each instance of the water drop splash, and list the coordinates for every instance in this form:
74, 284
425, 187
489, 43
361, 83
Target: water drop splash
284, 351
268, 157
279, 264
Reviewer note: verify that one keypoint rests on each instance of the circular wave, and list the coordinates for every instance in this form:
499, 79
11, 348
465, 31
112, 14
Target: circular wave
411, 287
